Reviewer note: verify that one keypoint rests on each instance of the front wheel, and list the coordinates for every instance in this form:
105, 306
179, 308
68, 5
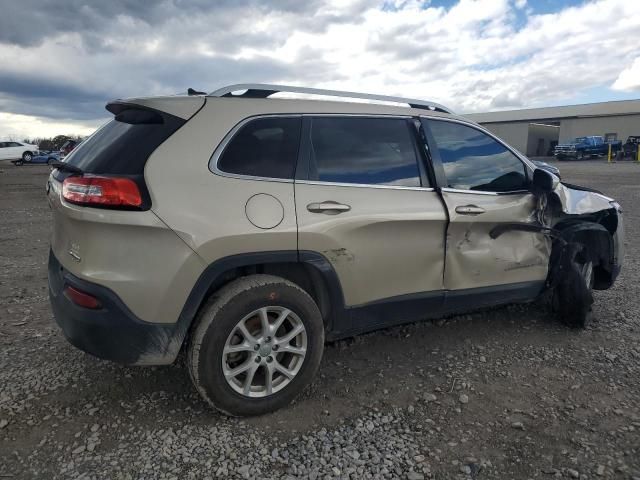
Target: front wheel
27, 156
256, 344
573, 296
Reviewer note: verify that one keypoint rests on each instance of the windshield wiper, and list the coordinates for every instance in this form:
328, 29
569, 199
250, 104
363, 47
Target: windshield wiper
67, 168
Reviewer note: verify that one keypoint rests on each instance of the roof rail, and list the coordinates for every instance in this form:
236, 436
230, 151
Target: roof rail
264, 90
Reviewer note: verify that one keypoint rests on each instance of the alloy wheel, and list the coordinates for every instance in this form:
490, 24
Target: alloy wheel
264, 352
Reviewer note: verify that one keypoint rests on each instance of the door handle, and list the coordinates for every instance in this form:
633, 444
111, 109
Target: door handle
328, 207
469, 210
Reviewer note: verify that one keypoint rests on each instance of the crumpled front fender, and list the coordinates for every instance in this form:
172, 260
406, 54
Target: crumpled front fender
576, 200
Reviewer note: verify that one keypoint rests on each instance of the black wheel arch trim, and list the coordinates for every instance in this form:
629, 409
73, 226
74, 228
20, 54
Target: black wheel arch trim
216, 270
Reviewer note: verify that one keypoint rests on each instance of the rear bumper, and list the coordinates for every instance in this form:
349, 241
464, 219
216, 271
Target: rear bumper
112, 332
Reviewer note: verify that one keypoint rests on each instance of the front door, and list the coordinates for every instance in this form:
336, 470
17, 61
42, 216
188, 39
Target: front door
365, 202
486, 184
14, 150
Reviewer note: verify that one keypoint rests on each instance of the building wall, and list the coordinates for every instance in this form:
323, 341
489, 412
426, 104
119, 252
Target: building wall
623, 125
516, 134
524, 135
540, 137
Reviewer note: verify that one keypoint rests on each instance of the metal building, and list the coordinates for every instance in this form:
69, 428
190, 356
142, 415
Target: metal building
536, 131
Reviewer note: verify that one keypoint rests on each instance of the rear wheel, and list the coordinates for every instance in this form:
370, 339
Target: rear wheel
18, 162
257, 343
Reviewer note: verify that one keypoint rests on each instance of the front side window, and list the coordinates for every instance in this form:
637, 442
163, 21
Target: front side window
264, 147
472, 160
372, 151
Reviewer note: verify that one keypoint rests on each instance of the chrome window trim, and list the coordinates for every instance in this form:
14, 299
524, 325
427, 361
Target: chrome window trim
217, 153
480, 192
364, 185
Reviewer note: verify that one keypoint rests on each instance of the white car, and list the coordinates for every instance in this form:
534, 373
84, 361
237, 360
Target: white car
17, 151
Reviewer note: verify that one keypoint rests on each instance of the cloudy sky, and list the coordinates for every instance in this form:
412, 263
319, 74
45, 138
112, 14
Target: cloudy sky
62, 60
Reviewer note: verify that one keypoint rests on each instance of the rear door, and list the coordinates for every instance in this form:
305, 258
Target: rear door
485, 184
4, 151
365, 201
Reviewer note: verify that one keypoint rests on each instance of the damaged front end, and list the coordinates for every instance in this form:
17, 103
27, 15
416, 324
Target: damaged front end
586, 230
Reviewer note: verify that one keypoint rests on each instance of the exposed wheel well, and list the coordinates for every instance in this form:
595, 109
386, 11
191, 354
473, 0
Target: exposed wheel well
598, 247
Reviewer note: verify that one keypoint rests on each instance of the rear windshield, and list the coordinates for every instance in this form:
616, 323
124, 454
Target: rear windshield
123, 145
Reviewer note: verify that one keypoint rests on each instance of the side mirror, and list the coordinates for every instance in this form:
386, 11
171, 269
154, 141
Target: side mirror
544, 181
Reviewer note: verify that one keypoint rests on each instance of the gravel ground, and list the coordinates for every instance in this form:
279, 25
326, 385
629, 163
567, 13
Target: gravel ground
507, 393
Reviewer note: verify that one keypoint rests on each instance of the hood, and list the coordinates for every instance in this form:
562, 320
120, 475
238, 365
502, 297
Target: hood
576, 200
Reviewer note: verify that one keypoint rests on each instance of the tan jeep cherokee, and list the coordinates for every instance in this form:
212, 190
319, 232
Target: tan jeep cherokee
250, 229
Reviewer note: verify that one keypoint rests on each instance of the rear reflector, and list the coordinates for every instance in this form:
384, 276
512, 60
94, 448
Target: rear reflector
81, 298
94, 190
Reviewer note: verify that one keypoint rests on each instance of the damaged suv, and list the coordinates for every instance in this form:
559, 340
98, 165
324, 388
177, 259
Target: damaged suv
247, 230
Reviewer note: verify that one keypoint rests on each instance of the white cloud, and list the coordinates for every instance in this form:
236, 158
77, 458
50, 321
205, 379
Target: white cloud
19, 127
478, 55
629, 78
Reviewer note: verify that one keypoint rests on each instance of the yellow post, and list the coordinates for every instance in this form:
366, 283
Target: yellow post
638, 152
609, 155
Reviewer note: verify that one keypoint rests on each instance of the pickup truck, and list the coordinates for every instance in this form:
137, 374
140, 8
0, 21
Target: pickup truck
585, 147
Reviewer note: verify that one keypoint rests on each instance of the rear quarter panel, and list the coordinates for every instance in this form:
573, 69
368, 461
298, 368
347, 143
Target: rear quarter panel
132, 253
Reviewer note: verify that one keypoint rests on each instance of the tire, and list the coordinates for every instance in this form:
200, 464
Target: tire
218, 327
27, 156
50, 161
580, 156
18, 162
573, 296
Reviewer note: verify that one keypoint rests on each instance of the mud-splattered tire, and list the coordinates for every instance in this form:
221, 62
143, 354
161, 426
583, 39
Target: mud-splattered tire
262, 331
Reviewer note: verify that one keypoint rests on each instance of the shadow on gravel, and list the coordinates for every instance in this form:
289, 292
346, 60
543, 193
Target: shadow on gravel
391, 367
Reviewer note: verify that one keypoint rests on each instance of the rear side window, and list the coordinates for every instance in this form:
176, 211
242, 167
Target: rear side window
373, 151
264, 147
472, 160
123, 145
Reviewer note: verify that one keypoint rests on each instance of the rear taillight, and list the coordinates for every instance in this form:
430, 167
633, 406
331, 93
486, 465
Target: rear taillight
94, 190
81, 298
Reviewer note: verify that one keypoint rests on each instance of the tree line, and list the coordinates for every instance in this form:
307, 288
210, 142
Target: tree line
52, 143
